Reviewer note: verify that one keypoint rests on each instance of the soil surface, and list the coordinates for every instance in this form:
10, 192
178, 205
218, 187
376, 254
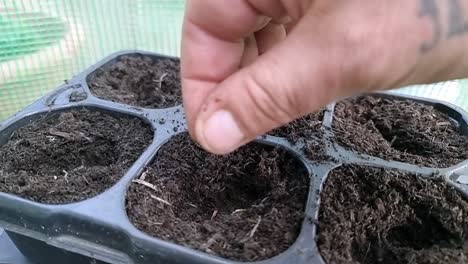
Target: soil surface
139, 81
70, 156
305, 127
316, 151
309, 128
372, 215
246, 206
399, 130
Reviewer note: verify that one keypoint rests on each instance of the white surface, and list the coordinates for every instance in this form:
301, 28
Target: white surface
446, 91
463, 179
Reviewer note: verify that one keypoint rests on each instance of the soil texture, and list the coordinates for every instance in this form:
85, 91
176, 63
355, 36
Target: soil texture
70, 156
400, 130
305, 127
316, 151
245, 206
308, 128
374, 215
139, 80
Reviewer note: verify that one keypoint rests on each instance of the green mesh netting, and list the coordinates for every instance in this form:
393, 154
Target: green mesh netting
43, 42
22, 33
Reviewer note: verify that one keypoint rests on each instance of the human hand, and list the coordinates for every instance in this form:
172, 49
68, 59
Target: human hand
249, 66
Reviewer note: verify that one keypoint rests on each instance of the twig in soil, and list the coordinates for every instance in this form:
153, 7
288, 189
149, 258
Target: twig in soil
191, 204
161, 80
261, 202
443, 124
78, 168
215, 213
86, 180
66, 175
254, 229
251, 233
85, 137
160, 200
144, 183
61, 134
151, 186
445, 128
143, 175
12, 135
238, 211
155, 223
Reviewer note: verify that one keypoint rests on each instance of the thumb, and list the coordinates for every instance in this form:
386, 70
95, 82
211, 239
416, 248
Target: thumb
294, 78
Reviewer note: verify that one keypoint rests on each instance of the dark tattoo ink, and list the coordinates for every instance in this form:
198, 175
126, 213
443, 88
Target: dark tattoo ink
429, 9
457, 24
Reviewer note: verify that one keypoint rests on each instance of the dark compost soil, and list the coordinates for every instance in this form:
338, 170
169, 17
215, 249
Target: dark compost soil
399, 130
70, 156
139, 81
372, 215
308, 128
246, 206
305, 127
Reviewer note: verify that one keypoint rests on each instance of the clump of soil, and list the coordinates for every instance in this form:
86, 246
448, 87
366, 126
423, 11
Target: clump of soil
373, 215
246, 206
70, 156
399, 130
305, 127
139, 80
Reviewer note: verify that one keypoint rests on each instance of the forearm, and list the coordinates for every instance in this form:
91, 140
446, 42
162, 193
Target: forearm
336, 49
444, 54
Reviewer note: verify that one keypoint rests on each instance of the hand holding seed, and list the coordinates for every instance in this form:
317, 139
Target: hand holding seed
249, 66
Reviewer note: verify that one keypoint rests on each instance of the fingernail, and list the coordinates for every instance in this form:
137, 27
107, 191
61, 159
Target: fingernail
221, 132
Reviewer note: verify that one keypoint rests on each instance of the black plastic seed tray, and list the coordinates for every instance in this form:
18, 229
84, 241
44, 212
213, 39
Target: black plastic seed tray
9, 254
98, 230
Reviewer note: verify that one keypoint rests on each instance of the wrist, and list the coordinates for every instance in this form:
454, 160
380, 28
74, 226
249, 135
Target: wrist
444, 55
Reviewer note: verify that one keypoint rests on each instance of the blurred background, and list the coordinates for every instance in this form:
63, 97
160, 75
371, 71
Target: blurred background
44, 42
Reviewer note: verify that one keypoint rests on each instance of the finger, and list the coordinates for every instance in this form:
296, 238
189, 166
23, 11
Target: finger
269, 36
212, 47
250, 51
289, 26
268, 93
212, 44
271, 8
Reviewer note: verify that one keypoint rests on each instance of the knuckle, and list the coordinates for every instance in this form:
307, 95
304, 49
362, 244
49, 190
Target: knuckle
364, 52
272, 106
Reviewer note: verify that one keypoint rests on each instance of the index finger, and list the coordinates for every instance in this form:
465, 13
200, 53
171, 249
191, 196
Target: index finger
212, 47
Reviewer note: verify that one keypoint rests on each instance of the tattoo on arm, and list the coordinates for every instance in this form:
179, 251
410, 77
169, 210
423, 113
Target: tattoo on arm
456, 25
430, 9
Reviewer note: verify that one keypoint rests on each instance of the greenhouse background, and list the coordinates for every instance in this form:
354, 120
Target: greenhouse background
44, 42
